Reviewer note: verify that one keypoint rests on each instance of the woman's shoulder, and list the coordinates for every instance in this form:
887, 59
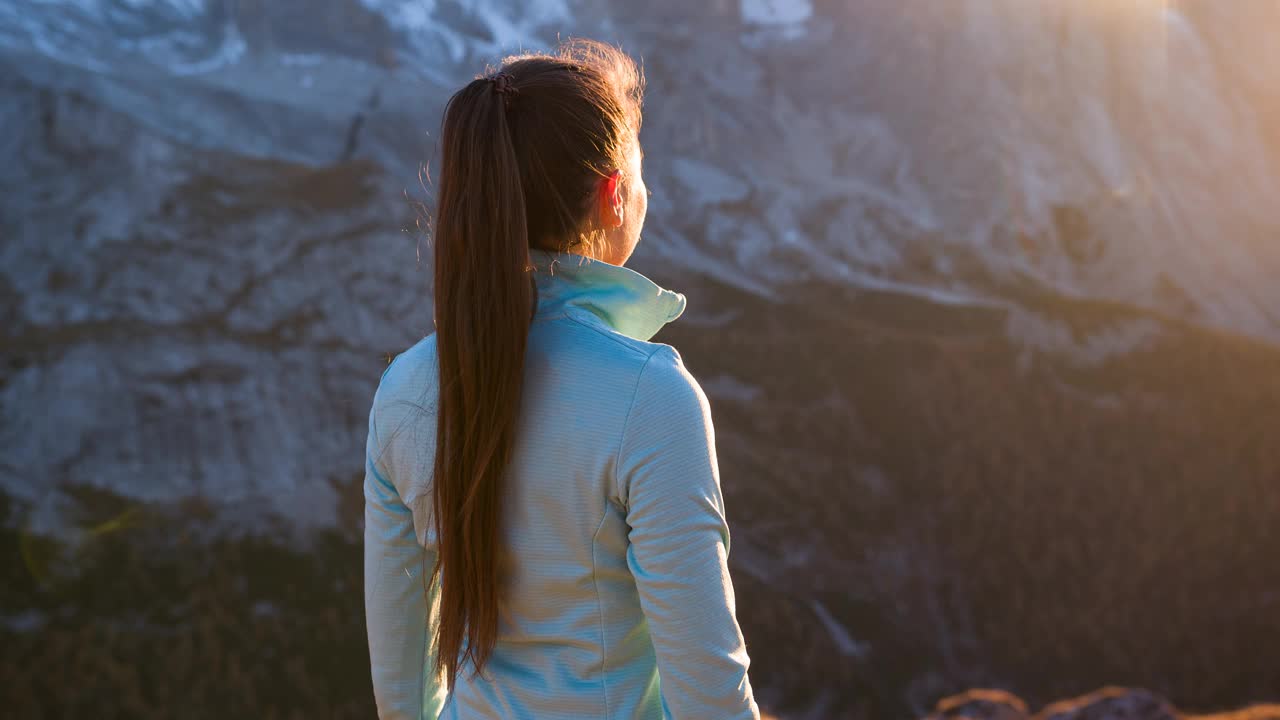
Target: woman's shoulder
410, 375
665, 374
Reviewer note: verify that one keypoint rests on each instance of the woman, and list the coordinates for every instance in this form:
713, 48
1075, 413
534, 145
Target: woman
545, 532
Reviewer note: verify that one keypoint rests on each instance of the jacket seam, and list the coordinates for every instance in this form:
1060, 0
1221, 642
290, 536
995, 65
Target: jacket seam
604, 647
622, 436
611, 337
423, 649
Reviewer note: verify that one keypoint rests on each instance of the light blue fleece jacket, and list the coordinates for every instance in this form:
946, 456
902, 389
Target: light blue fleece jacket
619, 603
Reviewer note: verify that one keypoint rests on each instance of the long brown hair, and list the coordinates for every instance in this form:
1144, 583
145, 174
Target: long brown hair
521, 156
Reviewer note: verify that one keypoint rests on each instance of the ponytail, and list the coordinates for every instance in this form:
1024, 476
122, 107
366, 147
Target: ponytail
522, 151
484, 301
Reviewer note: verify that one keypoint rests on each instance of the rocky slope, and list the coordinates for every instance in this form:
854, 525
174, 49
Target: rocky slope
925, 503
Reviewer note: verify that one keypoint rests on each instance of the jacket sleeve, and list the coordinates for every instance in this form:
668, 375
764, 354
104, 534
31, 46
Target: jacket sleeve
669, 481
399, 609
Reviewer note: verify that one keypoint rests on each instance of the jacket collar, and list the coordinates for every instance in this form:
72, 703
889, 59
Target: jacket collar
624, 299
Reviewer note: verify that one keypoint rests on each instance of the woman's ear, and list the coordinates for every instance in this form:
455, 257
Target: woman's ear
612, 207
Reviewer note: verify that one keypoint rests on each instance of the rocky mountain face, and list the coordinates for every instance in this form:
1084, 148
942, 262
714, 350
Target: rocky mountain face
932, 505
982, 298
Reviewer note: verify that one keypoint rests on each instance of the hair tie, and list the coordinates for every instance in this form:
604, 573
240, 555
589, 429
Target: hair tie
503, 84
